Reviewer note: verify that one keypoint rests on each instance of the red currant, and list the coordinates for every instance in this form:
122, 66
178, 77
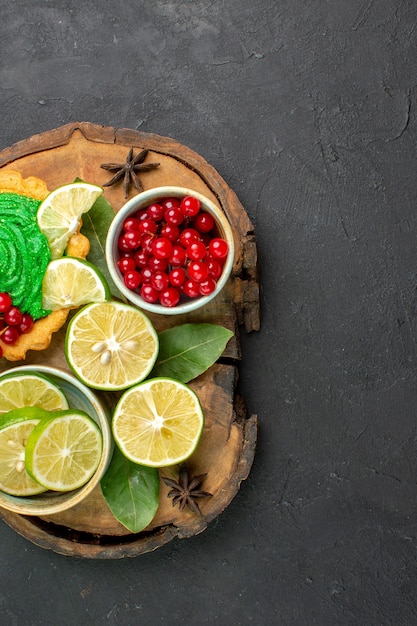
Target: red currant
159, 281
203, 222
157, 265
146, 275
5, 302
126, 263
141, 259
218, 248
122, 244
149, 293
214, 268
133, 239
174, 215
147, 242
148, 226
156, 211
131, 223
13, 316
170, 231
10, 335
169, 297
207, 286
132, 279
177, 276
178, 256
198, 271
26, 324
188, 235
169, 203
191, 288
196, 250
162, 248
190, 206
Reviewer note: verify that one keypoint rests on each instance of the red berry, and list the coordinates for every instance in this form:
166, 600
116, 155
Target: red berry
191, 288
214, 268
162, 248
196, 250
169, 297
203, 222
156, 211
159, 281
170, 231
132, 279
142, 214
174, 215
157, 265
13, 316
133, 239
218, 248
10, 335
126, 263
148, 226
122, 244
169, 203
190, 206
188, 235
198, 271
178, 256
141, 259
5, 302
146, 275
147, 242
177, 276
26, 324
207, 286
149, 293
131, 223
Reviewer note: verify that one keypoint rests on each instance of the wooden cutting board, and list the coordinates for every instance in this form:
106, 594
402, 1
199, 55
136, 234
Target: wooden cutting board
227, 447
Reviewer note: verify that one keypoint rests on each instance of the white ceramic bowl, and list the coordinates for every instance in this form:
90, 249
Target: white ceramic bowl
141, 201
79, 397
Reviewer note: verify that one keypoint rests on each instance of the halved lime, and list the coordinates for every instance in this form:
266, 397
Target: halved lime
71, 282
64, 450
111, 345
30, 389
60, 213
158, 422
15, 429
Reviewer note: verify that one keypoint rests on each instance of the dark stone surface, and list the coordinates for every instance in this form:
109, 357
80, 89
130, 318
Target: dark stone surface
307, 108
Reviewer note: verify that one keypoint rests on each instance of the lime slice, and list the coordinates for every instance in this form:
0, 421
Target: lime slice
15, 429
111, 345
64, 450
25, 390
60, 213
158, 422
71, 282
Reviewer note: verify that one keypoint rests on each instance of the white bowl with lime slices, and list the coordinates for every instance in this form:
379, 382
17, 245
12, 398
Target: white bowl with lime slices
72, 401
203, 275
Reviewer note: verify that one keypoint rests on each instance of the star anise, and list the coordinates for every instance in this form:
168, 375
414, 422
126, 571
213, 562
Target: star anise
186, 490
128, 170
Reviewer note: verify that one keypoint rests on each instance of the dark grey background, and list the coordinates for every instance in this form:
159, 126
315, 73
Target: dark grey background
307, 108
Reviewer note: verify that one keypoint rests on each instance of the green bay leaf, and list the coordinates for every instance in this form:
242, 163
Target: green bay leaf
131, 492
188, 350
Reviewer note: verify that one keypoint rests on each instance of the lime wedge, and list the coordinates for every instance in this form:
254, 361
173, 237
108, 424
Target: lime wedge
111, 345
25, 390
64, 450
71, 282
158, 422
15, 429
60, 213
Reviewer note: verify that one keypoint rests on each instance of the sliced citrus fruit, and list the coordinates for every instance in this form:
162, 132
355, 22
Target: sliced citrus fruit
111, 345
71, 282
158, 422
60, 213
30, 389
64, 450
15, 429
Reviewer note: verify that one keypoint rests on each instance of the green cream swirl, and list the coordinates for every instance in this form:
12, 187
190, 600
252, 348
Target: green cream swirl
24, 253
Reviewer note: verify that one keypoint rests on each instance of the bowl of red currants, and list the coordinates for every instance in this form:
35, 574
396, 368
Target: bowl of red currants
170, 250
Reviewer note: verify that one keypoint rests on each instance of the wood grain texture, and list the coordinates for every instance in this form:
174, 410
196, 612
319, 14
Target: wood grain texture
228, 443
